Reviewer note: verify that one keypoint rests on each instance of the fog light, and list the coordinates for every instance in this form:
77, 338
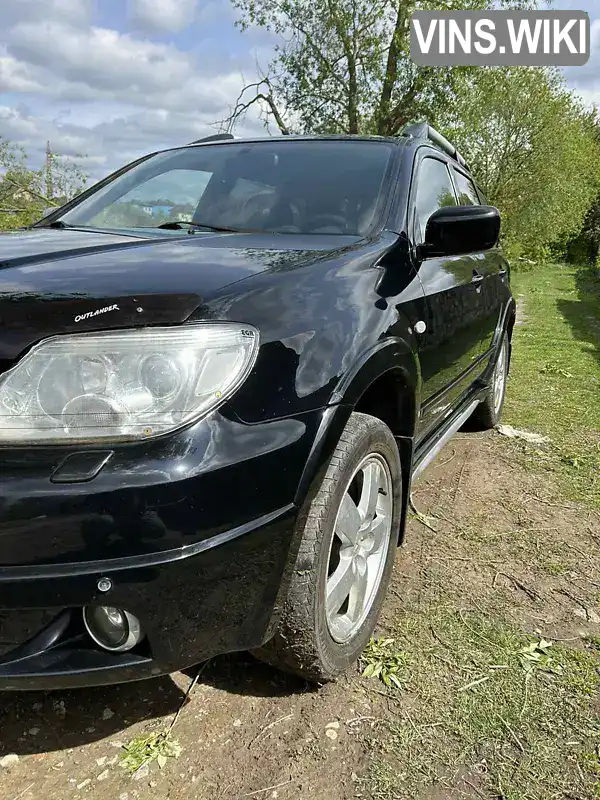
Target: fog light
112, 628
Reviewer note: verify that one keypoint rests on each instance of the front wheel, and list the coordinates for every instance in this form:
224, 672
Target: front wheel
349, 539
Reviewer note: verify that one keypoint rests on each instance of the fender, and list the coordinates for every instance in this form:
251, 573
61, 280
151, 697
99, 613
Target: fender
391, 353
387, 355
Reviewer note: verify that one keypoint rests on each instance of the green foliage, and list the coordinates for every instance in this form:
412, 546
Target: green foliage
382, 659
585, 247
122, 215
158, 746
25, 193
344, 66
536, 656
533, 148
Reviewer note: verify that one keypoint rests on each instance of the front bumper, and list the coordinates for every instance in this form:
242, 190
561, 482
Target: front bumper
211, 598
195, 533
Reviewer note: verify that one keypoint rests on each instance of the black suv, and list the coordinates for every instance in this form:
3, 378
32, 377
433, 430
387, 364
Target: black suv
220, 370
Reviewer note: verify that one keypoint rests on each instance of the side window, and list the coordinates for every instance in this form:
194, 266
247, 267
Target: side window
467, 193
434, 190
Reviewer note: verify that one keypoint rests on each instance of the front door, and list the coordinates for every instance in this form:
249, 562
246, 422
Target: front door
452, 343
491, 266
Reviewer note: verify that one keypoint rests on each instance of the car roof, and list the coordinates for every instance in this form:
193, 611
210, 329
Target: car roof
401, 141
341, 137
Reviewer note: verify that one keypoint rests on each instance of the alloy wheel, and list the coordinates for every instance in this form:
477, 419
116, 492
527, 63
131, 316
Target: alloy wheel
359, 547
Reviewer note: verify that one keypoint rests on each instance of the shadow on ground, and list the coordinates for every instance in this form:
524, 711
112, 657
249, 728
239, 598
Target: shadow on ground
583, 314
241, 674
44, 722
41, 722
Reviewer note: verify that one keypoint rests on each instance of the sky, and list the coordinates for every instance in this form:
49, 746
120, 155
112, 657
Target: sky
114, 79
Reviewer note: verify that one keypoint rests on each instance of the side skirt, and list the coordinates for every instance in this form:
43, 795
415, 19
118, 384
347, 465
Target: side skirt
432, 446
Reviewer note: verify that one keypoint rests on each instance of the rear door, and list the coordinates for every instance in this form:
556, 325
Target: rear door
453, 340
490, 265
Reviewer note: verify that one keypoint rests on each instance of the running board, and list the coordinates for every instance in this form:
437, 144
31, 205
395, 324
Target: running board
456, 424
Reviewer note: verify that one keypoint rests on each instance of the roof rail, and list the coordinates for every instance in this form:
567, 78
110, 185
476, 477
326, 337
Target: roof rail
423, 130
215, 137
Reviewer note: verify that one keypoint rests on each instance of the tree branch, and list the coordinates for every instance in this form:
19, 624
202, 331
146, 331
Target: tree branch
391, 68
28, 189
241, 108
352, 89
319, 55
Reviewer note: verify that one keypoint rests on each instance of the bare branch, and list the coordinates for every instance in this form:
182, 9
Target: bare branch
241, 107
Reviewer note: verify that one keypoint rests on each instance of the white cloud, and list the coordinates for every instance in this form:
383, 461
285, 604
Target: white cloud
588, 76
15, 76
210, 11
60, 60
113, 95
103, 145
161, 15
591, 96
77, 12
101, 58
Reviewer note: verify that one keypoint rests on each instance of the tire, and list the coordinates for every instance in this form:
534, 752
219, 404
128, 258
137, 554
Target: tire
487, 414
313, 640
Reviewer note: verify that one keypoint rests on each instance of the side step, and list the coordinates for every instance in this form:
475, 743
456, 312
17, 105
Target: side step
443, 439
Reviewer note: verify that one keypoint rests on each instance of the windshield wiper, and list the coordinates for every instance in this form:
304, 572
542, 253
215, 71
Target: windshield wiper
58, 223
176, 224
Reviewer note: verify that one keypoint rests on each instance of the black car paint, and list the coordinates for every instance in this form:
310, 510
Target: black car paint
196, 529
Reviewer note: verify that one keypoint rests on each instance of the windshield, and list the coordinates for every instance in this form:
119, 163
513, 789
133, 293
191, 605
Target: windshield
284, 186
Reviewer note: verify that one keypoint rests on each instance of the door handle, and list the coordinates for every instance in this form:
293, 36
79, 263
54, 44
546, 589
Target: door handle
502, 272
477, 277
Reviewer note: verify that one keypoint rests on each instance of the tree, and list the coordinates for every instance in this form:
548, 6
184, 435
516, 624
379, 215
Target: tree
584, 248
534, 149
344, 66
591, 233
25, 193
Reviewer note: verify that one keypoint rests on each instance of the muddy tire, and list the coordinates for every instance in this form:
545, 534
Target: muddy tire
349, 539
487, 414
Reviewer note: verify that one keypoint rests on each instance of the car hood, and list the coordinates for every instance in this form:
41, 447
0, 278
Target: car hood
65, 280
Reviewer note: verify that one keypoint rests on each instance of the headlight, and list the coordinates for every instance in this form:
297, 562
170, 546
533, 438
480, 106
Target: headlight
123, 385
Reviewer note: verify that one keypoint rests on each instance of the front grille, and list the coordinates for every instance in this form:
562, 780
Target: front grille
17, 627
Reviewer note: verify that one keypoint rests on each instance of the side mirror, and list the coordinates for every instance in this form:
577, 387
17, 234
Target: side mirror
457, 230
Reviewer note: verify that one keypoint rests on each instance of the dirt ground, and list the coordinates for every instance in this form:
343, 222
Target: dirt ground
496, 535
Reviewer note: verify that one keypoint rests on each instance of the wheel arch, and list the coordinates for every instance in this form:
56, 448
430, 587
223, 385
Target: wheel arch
384, 383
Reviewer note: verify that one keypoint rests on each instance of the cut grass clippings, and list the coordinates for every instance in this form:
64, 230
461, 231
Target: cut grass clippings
381, 659
157, 746
513, 714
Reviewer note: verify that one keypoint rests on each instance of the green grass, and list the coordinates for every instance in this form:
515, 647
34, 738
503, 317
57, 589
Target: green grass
554, 387
474, 703
484, 709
